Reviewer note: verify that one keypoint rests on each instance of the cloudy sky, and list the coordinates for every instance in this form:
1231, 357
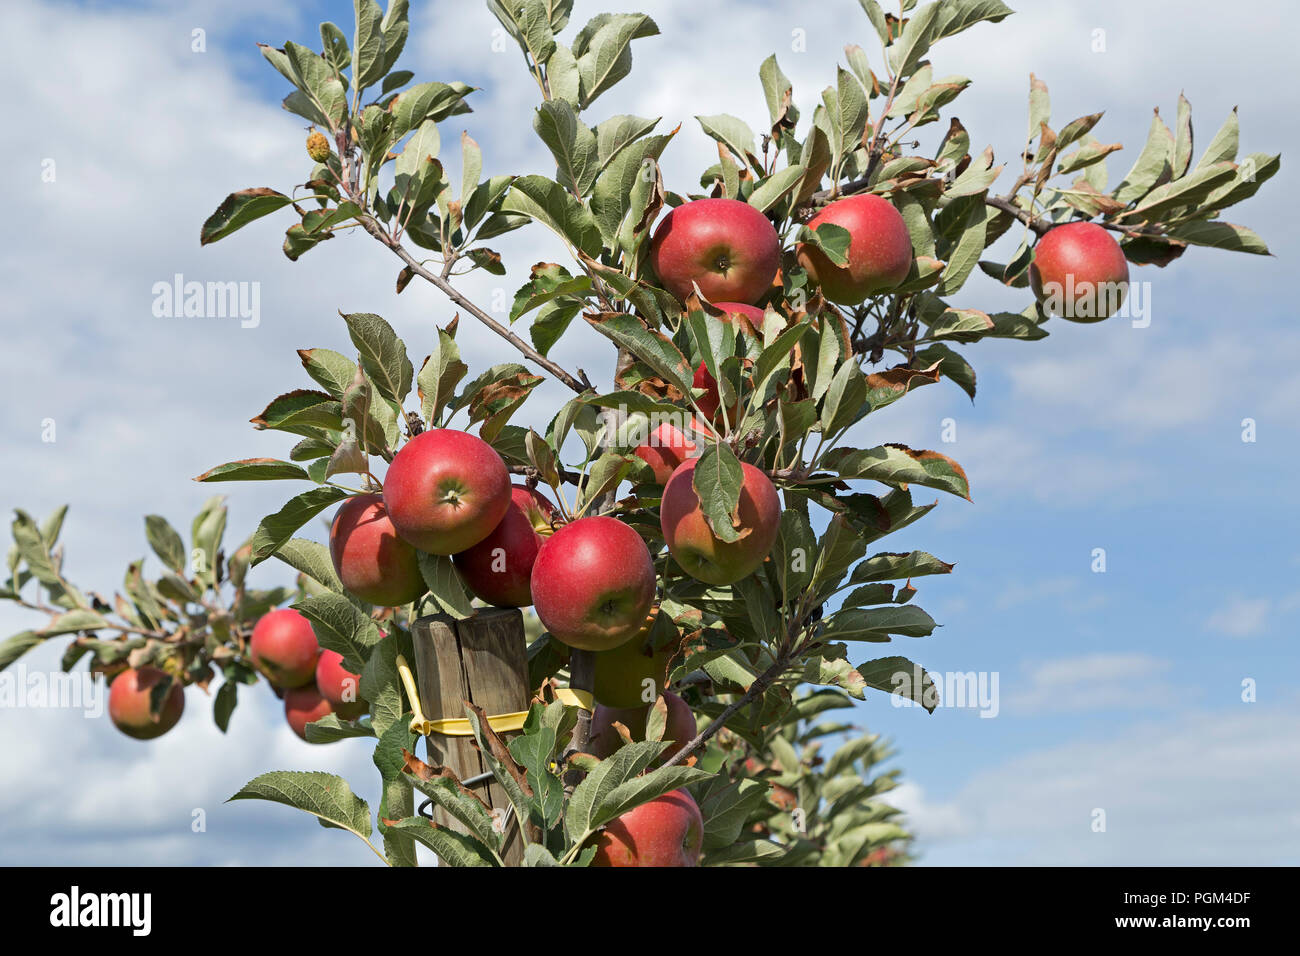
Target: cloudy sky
1119, 694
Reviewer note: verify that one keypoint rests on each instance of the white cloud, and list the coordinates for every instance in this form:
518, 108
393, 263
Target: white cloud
1197, 789
1105, 682
1241, 617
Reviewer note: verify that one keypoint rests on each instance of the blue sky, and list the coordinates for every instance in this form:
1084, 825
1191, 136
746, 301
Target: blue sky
1119, 691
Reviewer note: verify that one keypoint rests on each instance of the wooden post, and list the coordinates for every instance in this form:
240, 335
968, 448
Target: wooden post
482, 659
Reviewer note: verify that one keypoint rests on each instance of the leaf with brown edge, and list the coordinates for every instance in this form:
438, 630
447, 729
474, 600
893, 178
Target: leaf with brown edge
899, 465
299, 409
426, 772
892, 384
651, 347
239, 209
496, 747
1151, 250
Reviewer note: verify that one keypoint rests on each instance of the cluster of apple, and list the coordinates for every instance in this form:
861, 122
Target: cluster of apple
312, 681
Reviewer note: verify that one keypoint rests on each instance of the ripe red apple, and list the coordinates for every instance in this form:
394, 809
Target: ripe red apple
302, 706
747, 317
339, 686
725, 246
593, 583
692, 542
369, 558
880, 250
284, 648
446, 490
499, 568
667, 831
128, 703
666, 448
1079, 272
621, 673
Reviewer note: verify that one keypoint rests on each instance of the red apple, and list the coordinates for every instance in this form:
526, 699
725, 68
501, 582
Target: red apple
624, 675
604, 739
446, 490
593, 583
667, 448
369, 558
667, 831
498, 569
880, 250
1079, 272
339, 686
284, 648
302, 706
128, 703
727, 247
692, 542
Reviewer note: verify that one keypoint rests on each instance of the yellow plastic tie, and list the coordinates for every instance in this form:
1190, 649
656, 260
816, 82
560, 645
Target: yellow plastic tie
460, 726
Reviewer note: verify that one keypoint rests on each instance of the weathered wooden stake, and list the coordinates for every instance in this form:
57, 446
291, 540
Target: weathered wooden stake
482, 659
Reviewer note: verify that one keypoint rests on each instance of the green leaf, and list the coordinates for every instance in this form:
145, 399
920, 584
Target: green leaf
445, 585
899, 675
605, 54
744, 851
547, 202
238, 210
774, 188
845, 399
441, 372
383, 356
324, 795
339, 626
717, 482
878, 624
274, 530
918, 33
166, 541
1154, 164
1220, 235
734, 134
311, 558
1223, 148
1188, 191
831, 239
367, 44
250, 469
18, 645
571, 143
726, 807
605, 475
896, 567
636, 791
957, 15
452, 848
580, 818
461, 805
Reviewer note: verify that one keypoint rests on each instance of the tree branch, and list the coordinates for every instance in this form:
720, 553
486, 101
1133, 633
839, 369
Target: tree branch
447, 289
756, 689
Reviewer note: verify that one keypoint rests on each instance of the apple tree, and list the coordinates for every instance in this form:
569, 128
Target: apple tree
817, 273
